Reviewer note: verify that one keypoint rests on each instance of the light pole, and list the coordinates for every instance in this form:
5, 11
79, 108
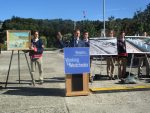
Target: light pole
104, 16
1, 23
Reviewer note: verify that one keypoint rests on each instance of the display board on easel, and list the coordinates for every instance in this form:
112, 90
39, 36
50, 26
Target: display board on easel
137, 44
103, 46
18, 40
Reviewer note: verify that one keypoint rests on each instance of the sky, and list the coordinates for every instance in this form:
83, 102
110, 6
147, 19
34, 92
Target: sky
70, 9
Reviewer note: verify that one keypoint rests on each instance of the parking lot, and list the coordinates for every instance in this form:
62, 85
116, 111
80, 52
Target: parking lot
50, 97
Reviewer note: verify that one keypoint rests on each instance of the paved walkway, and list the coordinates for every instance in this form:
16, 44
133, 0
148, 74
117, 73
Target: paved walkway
50, 97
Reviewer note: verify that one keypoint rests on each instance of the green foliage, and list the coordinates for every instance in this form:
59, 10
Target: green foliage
141, 19
3, 46
44, 40
48, 28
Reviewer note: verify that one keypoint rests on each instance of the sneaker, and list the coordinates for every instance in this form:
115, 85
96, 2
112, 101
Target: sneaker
1, 87
32, 83
109, 78
122, 81
113, 78
41, 82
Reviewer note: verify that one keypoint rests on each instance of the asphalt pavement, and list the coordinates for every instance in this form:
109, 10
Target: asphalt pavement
50, 96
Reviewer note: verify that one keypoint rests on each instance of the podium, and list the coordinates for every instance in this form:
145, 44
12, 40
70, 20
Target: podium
77, 69
77, 84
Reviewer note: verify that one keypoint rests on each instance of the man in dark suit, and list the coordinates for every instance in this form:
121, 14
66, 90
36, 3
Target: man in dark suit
86, 38
87, 44
76, 41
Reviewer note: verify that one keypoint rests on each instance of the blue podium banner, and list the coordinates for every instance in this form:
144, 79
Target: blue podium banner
76, 60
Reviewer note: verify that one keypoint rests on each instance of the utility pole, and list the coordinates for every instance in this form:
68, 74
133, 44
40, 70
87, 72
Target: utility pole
104, 17
1, 23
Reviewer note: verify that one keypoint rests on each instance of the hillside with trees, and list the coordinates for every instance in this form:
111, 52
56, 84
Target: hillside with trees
48, 28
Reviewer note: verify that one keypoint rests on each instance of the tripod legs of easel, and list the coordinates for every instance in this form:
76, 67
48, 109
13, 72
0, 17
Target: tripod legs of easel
131, 65
9, 69
18, 68
33, 82
130, 79
147, 65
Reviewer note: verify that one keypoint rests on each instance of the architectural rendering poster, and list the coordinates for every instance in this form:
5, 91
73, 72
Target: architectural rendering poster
138, 44
18, 39
103, 46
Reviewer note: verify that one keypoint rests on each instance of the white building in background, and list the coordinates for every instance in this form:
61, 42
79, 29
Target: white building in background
103, 33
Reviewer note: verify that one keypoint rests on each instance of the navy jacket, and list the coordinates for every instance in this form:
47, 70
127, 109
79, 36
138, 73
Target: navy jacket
60, 44
121, 46
38, 45
74, 44
87, 44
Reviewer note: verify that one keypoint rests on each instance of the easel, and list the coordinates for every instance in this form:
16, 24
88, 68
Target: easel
101, 57
131, 64
18, 68
147, 59
133, 58
130, 79
0, 48
147, 63
96, 63
93, 72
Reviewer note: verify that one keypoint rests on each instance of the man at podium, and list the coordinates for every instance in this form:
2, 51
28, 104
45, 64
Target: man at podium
77, 66
76, 41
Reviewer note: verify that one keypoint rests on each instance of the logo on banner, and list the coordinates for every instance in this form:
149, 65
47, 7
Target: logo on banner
77, 60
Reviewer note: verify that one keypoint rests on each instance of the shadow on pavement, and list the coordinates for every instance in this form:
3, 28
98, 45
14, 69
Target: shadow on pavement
35, 91
46, 80
21, 82
54, 79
